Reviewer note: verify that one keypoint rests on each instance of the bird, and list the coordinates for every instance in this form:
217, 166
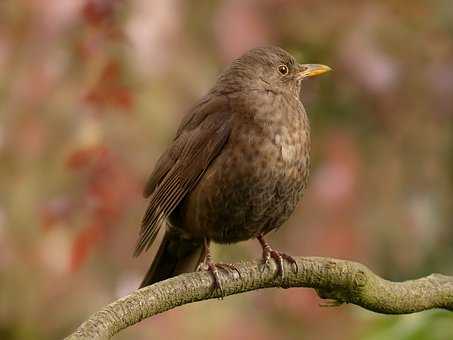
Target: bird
235, 170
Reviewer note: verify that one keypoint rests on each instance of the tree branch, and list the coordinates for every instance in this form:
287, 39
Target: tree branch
340, 280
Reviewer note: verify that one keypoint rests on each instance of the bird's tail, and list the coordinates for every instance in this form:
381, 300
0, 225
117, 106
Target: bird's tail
176, 255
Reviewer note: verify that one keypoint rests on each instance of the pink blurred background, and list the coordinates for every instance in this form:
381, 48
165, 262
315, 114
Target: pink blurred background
91, 92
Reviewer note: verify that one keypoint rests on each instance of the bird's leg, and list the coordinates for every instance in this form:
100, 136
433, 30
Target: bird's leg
213, 268
210, 266
278, 256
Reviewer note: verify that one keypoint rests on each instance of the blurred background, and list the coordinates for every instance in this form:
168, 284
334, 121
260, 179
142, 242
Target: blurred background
91, 92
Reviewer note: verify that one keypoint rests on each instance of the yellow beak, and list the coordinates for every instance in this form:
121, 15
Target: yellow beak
311, 70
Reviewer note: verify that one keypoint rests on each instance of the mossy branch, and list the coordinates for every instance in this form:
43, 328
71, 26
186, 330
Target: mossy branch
339, 280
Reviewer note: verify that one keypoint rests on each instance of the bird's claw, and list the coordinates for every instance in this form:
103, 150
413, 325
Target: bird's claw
279, 257
227, 267
213, 268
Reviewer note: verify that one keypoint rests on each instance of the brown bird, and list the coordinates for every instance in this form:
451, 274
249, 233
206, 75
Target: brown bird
236, 168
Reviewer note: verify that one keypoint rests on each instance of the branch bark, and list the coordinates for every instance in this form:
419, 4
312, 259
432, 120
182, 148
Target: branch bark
339, 280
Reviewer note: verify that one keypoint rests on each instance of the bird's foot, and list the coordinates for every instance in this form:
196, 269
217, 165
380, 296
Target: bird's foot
213, 268
278, 256
208, 265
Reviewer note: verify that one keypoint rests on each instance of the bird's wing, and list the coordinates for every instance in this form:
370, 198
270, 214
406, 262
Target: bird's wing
206, 106
200, 138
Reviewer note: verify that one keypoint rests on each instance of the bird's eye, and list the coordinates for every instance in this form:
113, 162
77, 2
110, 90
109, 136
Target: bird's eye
283, 69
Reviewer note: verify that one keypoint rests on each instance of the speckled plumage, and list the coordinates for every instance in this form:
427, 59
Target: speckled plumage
256, 181
237, 167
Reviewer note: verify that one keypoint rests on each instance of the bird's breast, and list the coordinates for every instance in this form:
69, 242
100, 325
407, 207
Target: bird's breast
287, 151
257, 180
276, 133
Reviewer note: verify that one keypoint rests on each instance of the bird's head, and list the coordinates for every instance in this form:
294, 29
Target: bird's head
270, 68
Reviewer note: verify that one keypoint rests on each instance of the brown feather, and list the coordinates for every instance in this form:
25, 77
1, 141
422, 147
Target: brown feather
199, 140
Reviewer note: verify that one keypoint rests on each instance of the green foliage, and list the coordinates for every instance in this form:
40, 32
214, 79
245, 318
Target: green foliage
433, 325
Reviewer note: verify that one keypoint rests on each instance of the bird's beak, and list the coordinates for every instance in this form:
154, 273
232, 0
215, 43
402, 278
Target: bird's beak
311, 70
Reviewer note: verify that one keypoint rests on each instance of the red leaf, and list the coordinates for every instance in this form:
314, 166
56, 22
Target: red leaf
97, 12
84, 244
122, 98
83, 157
109, 90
